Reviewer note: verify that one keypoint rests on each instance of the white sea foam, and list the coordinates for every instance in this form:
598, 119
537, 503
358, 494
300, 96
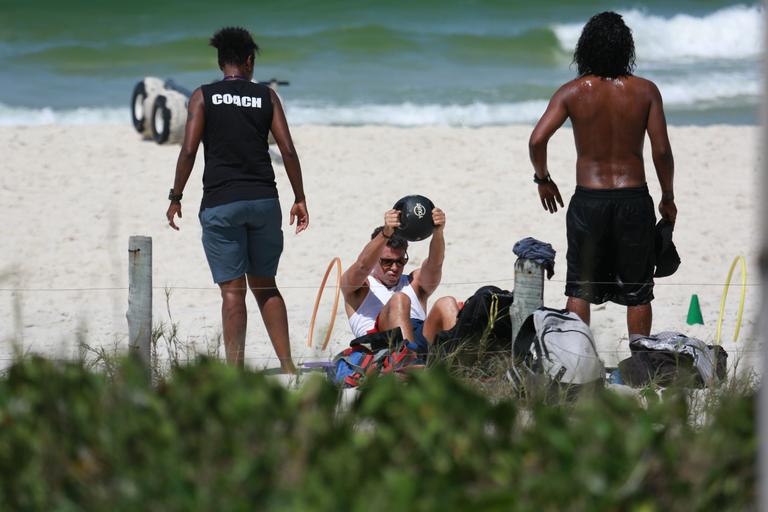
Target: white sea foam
22, 116
409, 114
706, 91
732, 33
710, 89
404, 114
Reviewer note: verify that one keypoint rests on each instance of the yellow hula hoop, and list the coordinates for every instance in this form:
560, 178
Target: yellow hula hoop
336, 260
736, 260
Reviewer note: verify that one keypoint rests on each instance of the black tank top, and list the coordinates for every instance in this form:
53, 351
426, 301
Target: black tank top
238, 116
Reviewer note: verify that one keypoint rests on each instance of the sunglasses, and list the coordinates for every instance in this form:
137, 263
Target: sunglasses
388, 262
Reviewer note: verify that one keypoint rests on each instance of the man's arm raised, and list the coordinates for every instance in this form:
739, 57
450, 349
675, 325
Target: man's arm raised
427, 278
661, 150
552, 119
355, 277
193, 133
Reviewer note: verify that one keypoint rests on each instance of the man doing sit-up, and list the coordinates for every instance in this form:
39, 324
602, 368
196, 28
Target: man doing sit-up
377, 295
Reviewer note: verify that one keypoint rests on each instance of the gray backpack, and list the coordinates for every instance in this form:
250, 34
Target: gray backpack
670, 358
557, 344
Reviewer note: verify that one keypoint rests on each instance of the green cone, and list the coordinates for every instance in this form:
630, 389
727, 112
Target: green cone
694, 311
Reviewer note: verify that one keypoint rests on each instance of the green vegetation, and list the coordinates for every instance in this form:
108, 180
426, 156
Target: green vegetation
209, 437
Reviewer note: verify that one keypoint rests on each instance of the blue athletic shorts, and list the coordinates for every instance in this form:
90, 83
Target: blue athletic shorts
420, 344
244, 237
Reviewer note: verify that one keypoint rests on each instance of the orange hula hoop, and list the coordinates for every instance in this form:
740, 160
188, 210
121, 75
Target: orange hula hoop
336, 260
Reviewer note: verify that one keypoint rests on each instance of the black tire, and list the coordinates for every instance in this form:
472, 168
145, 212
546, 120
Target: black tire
161, 120
137, 106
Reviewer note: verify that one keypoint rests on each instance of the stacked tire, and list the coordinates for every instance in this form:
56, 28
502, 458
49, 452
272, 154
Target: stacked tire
158, 112
159, 109
169, 115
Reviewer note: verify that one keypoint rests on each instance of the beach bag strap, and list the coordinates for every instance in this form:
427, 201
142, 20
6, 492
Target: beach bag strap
398, 359
357, 368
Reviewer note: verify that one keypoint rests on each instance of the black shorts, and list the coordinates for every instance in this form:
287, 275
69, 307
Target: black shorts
611, 252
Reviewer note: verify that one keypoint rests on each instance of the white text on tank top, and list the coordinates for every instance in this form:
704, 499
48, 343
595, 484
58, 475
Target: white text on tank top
364, 319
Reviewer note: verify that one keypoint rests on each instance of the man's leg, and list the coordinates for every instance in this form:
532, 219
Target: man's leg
580, 307
634, 234
397, 313
587, 222
639, 319
272, 307
441, 317
234, 319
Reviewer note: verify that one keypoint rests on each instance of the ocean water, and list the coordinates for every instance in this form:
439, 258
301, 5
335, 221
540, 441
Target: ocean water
469, 63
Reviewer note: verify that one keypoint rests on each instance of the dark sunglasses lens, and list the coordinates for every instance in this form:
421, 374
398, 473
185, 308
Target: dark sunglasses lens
388, 262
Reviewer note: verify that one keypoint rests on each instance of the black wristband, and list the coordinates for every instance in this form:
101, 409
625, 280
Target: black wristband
541, 181
174, 198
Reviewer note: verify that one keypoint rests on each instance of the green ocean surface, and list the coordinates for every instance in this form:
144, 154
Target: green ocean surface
474, 63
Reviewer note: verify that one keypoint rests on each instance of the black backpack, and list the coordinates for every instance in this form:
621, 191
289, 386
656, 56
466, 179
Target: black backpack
483, 328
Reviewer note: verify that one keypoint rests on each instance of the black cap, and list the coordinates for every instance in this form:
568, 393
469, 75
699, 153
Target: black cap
667, 259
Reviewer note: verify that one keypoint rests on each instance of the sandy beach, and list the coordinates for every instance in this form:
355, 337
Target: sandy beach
72, 195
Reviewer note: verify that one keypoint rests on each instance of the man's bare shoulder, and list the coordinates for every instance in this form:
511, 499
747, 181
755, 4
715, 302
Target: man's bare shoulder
569, 88
642, 84
640, 80
562, 96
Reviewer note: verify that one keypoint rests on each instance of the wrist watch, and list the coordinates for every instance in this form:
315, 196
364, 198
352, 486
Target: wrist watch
541, 181
174, 198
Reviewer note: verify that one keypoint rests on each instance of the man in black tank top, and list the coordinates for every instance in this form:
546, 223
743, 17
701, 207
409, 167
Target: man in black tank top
240, 213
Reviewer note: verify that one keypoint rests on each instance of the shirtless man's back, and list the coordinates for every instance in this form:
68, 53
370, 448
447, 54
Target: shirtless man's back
610, 218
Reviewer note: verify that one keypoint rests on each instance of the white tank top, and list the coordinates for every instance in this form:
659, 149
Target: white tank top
364, 318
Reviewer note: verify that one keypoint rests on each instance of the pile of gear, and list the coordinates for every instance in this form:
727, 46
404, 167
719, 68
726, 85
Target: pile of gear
552, 346
551, 343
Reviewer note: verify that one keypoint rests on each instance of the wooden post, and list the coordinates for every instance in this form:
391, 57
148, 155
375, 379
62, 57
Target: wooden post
140, 298
529, 292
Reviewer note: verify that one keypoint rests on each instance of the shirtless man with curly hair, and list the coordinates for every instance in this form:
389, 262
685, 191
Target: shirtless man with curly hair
610, 220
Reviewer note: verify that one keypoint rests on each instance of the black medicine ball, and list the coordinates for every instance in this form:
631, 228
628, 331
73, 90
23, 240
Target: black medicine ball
415, 218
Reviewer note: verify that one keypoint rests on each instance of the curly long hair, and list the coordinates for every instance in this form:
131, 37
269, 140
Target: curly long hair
605, 47
235, 45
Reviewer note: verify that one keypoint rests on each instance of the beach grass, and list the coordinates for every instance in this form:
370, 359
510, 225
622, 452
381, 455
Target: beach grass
209, 436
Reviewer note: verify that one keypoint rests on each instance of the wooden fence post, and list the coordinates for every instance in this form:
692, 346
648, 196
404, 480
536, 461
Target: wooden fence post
529, 292
140, 298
